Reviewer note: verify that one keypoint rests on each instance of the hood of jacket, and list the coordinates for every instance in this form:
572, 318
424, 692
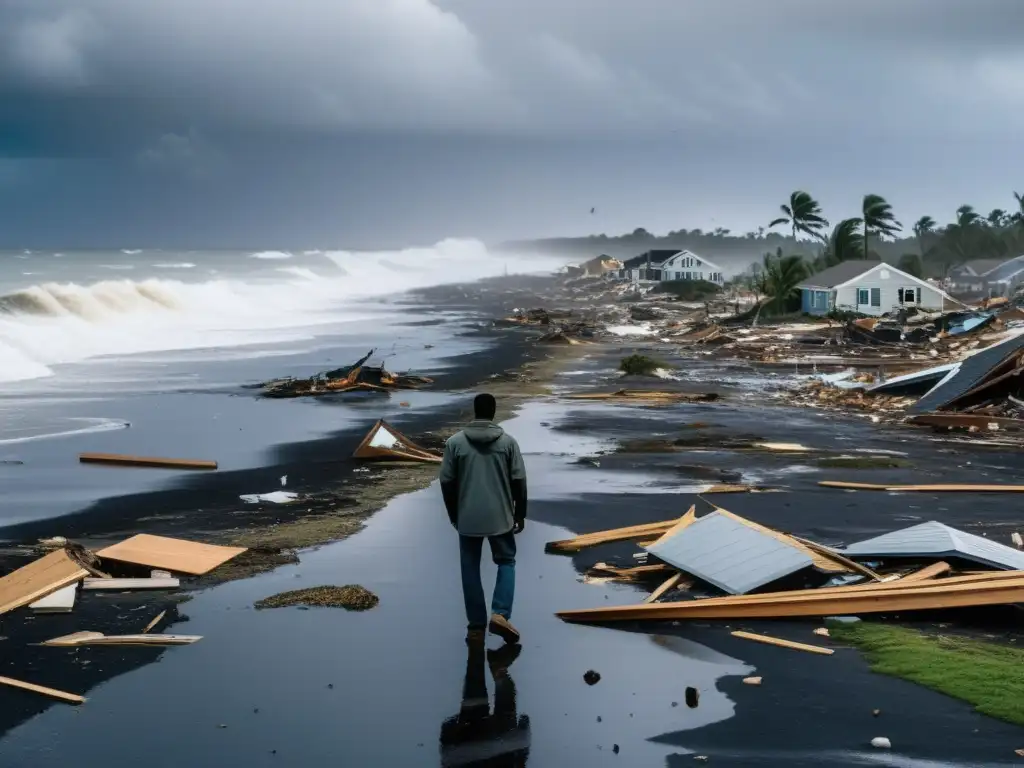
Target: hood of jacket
482, 432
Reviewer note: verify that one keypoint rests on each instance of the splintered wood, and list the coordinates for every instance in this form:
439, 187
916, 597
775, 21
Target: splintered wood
768, 640
98, 638
70, 698
172, 554
39, 579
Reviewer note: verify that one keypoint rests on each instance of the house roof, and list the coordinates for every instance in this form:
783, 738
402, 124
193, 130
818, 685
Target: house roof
704, 261
730, 554
981, 266
842, 272
657, 256
1006, 269
933, 539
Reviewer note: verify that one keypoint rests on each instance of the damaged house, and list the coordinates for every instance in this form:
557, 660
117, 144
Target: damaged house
988, 277
668, 265
870, 288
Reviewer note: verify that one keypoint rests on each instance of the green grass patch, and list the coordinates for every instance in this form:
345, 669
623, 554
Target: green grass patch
986, 675
640, 365
863, 462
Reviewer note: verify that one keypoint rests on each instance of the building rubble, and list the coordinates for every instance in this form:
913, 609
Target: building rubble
358, 377
722, 566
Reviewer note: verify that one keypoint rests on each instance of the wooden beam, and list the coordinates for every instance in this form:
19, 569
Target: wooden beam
831, 554
127, 584
70, 698
159, 617
768, 640
929, 572
664, 587
122, 460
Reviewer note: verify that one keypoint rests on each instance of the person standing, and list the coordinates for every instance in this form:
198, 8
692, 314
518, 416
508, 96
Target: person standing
483, 483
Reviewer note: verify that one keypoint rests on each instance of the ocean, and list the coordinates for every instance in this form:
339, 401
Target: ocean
153, 352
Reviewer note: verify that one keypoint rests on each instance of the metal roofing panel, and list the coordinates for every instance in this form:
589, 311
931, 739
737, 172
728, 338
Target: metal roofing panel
734, 557
933, 539
929, 374
970, 373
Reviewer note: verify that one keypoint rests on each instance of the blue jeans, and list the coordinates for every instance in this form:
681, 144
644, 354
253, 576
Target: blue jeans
503, 551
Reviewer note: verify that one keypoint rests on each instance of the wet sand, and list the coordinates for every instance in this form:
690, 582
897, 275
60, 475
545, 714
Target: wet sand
307, 686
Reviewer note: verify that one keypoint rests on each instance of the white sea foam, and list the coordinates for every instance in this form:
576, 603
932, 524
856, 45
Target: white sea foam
89, 425
271, 255
54, 323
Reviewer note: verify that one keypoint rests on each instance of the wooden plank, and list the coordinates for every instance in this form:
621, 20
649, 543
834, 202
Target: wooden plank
98, 638
878, 599
638, 571
609, 536
852, 565
61, 601
769, 640
123, 460
127, 584
939, 488
171, 554
159, 617
664, 587
70, 698
38, 579
928, 572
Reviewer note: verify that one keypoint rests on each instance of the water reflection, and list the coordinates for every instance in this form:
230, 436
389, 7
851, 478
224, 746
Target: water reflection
476, 736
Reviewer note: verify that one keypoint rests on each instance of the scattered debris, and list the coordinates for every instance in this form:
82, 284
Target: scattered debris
117, 459
156, 620
590, 677
383, 441
61, 601
352, 378
940, 488
648, 396
98, 638
822, 631
129, 584
173, 554
274, 497
768, 640
752, 680
39, 578
639, 365
70, 698
352, 597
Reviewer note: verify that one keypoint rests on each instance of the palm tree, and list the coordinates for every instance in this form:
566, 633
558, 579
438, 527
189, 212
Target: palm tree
960, 235
923, 227
781, 276
997, 218
802, 214
878, 219
1018, 216
844, 243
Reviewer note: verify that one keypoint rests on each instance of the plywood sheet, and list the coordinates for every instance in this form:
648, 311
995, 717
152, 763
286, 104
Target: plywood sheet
171, 554
39, 579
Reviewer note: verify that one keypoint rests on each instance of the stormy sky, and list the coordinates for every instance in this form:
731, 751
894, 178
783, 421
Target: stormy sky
361, 123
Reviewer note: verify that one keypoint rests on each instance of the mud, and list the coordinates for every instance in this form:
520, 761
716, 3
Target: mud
351, 597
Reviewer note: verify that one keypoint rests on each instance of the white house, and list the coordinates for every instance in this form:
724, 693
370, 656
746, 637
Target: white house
994, 277
669, 264
870, 288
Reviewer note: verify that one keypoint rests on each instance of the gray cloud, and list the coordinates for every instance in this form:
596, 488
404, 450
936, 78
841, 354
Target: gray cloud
649, 105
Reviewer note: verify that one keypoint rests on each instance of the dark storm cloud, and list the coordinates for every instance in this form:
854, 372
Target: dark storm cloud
178, 108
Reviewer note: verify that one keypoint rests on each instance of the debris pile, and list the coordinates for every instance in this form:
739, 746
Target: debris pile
384, 442
723, 566
51, 584
358, 377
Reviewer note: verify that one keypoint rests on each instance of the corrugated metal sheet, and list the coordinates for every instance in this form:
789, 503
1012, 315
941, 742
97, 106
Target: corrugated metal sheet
971, 371
933, 539
732, 556
929, 375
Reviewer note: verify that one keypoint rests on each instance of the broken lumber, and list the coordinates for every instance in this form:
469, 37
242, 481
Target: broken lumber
946, 487
964, 421
171, 554
609, 536
664, 587
769, 640
127, 584
38, 579
383, 441
156, 620
122, 460
830, 553
638, 571
70, 698
998, 588
929, 572
98, 638
61, 601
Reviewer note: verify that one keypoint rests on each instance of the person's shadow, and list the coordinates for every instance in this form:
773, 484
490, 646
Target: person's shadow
476, 736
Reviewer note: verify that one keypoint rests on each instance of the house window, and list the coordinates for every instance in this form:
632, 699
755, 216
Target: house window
909, 295
862, 296
876, 297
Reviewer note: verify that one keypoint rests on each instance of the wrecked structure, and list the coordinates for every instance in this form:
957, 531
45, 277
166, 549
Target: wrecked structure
351, 378
384, 442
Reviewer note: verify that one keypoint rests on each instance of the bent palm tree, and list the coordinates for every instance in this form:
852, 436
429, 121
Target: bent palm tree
1018, 216
845, 242
782, 275
922, 228
878, 219
802, 214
